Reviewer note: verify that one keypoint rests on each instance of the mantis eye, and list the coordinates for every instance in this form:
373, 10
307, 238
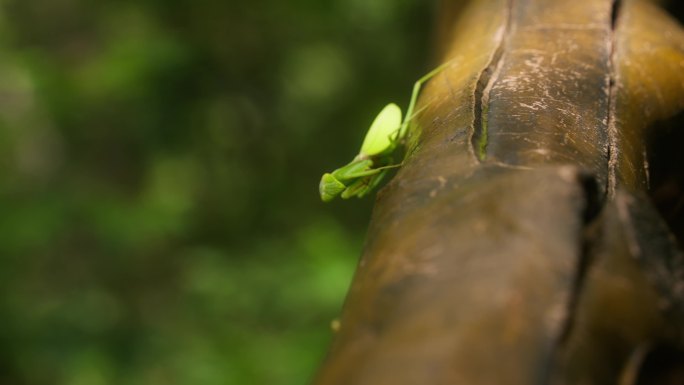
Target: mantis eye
330, 187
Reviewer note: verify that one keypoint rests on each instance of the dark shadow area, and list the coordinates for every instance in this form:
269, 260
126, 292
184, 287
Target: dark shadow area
666, 165
661, 365
676, 8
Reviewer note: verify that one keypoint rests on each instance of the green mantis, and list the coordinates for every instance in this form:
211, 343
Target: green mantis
387, 133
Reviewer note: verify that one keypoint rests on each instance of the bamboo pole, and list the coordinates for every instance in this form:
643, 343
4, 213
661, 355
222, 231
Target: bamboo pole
517, 244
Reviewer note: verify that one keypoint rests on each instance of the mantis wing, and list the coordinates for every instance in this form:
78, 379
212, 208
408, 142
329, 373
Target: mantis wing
379, 137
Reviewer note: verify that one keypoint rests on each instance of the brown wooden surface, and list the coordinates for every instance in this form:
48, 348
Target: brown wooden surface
516, 245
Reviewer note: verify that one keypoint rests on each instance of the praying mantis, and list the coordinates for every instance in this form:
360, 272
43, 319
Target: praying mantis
386, 134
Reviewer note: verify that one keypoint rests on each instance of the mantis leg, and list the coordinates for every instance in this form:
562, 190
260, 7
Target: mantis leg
372, 183
414, 97
363, 186
355, 169
359, 169
358, 188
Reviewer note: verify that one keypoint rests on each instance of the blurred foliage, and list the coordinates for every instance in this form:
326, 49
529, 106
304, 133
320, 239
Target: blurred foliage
159, 162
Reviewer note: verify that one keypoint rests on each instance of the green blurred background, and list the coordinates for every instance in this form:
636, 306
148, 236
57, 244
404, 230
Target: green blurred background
159, 162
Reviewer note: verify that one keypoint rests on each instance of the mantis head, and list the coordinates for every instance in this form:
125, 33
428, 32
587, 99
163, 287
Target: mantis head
330, 187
